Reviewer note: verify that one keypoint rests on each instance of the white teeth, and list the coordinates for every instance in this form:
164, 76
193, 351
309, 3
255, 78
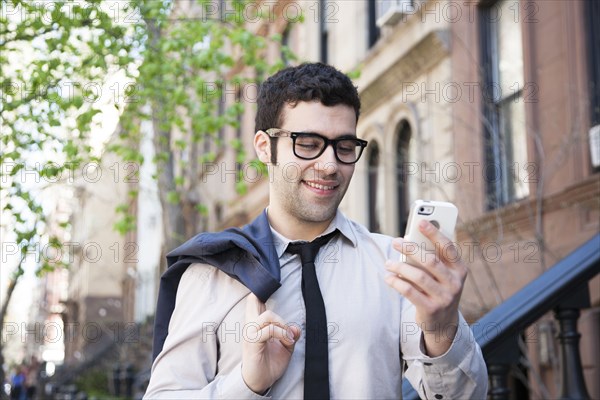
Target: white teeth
322, 187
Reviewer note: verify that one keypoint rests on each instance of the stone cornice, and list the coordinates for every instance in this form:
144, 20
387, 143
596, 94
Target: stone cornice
420, 58
522, 215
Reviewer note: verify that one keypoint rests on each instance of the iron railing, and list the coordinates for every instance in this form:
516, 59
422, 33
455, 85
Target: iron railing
563, 289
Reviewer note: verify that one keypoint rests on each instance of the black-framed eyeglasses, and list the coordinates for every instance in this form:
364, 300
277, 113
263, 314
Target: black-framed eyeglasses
308, 145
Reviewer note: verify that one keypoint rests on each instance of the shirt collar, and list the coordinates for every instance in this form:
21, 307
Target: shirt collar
339, 222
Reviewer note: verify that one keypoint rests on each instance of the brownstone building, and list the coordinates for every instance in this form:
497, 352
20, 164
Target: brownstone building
540, 118
488, 104
537, 74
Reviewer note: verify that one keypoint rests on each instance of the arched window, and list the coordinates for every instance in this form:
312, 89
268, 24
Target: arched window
373, 160
403, 134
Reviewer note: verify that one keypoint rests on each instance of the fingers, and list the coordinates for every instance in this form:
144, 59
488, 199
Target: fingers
444, 259
408, 290
448, 253
263, 325
429, 296
254, 307
433, 283
421, 279
445, 249
271, 326
432, 277
427, 261
261, 335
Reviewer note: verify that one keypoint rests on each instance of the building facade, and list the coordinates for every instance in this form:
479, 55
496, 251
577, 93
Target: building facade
487, 104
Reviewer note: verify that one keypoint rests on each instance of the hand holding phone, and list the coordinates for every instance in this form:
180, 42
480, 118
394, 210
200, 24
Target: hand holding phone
430, 274
441, 214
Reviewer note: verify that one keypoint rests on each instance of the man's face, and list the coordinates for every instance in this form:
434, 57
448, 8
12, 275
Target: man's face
311, 190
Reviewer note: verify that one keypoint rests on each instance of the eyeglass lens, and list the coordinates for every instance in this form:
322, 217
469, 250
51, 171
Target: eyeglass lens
309, 146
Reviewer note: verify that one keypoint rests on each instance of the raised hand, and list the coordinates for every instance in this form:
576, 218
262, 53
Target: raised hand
268, 343
433, 284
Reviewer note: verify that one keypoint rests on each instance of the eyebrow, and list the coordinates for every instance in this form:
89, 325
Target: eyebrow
343, 136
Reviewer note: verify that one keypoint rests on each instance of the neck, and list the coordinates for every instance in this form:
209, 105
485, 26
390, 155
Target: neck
294, 228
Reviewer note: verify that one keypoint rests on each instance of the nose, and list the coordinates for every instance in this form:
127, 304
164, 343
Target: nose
327, 162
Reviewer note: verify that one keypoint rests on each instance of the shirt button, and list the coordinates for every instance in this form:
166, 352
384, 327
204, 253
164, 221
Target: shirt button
439, 396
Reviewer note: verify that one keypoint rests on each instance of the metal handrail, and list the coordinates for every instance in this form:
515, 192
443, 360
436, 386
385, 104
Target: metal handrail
531, 302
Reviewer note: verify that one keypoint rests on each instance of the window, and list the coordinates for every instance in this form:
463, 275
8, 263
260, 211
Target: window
373, 173
239, 146
503, 104
390, 12
592, 9
402, 168
593, 40
285, 45
219, 213
221, 113
323, 31
387, 6
206, 142
239, 100
372, 23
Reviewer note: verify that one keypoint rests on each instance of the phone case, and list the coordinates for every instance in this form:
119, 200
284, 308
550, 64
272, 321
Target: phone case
440, 213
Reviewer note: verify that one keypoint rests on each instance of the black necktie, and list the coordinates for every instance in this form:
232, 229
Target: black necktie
316, 367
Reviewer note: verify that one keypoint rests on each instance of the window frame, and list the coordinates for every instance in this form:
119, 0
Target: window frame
373, 165
500, 188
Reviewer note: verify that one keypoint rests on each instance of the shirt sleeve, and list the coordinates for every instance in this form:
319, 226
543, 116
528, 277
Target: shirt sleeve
186, 368
460, 373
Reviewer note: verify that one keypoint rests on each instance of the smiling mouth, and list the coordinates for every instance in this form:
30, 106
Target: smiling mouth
319, 186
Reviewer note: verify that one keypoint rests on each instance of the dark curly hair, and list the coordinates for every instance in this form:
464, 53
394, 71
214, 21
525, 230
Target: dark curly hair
305, 82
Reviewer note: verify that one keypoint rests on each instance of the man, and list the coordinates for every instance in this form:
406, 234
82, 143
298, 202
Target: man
383, 317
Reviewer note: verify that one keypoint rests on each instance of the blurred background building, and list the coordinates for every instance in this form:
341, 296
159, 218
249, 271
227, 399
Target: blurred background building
492, 105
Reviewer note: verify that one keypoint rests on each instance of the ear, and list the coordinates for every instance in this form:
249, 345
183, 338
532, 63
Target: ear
262, 146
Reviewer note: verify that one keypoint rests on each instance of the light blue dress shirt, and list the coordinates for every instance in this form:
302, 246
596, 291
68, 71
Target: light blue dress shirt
372, 332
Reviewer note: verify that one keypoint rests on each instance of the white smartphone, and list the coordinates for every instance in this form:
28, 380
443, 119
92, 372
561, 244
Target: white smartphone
441, 214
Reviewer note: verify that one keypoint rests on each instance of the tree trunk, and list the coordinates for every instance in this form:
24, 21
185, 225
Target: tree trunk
173, 220
174, 229
3, 310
